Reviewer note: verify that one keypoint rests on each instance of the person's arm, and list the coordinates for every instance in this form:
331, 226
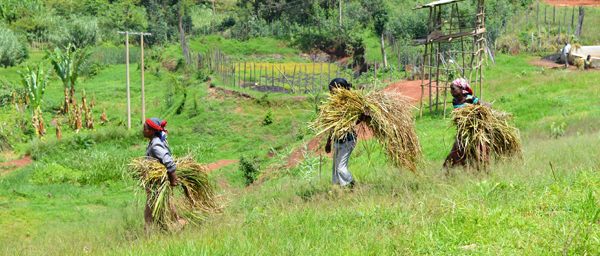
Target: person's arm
328, 144
485, 103
364, 117
164, 156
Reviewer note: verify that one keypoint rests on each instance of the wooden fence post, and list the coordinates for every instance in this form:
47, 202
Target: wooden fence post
321, 76
553, 15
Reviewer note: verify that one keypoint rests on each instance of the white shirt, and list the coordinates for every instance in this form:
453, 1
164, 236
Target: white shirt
566, 49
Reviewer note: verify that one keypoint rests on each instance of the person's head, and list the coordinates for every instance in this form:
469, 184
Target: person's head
339, 83
566, 42
460, 87
154, 127
589, 57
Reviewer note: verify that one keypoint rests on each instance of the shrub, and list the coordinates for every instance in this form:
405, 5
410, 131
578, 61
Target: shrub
268, 118
79, 31
12, 50
249, 167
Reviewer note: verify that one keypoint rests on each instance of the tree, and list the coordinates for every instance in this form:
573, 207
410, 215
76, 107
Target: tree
68, 65
12, 50
381, 18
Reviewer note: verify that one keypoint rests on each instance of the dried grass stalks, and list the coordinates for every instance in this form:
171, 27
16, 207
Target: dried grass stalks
480, 125
391, 122
193, 197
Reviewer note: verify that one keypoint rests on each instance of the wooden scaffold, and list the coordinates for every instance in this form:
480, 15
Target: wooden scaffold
454, 47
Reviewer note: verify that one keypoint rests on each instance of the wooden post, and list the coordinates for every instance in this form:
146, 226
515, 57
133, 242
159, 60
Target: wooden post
273, 74
127, 70
244, 71
321, 83
313, 77
553, 15
558, 38
329, 73
142, 68
293, 77
375, 74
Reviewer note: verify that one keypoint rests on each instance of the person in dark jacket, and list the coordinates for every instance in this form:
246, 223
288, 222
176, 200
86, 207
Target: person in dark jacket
342, 147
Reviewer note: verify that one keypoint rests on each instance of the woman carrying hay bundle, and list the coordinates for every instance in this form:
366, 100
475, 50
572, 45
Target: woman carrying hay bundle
342, 145
158, 148
463, 95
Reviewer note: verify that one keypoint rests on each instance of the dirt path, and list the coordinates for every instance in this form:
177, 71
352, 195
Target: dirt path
558, 3
218, 164
19, 162
8, 167
412, 89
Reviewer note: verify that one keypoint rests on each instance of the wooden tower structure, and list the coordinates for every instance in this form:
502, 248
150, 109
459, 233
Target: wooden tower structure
454, 47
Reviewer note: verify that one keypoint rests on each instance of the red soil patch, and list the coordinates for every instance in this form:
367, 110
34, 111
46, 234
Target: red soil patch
412, 89
19, 162
218, 164
573, 2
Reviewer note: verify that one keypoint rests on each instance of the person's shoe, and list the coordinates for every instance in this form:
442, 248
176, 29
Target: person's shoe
352, 184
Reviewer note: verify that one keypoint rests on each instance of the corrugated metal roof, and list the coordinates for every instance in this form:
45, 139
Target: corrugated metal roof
436, 3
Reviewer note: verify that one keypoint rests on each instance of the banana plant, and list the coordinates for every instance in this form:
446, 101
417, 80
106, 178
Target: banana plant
68, 65
34, 81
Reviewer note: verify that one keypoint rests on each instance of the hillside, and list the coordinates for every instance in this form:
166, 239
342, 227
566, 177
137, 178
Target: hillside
76, 195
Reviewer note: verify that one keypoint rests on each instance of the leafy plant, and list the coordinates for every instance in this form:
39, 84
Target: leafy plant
12, 50
557, 130
34, 82
268, 118
249, 167
68, 65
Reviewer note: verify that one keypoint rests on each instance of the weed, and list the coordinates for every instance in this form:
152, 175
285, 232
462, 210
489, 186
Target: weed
249, 166
557, 130
269, 118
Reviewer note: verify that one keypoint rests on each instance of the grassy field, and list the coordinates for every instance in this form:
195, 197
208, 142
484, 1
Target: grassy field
77, 196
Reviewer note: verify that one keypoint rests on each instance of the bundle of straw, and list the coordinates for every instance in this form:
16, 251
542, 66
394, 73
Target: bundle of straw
196, 196
481, 127
391, 122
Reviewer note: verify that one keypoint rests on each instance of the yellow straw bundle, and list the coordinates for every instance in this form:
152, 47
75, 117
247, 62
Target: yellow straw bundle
194, 198
391, 122
480, 126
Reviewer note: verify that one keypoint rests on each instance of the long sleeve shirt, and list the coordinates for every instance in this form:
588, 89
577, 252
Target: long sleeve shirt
157, 149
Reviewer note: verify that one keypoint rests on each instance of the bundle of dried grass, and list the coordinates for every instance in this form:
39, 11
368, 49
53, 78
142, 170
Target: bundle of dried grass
480, 127
391, 122
195, 198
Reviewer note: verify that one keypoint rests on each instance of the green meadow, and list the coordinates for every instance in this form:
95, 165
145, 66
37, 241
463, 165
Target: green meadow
77, 196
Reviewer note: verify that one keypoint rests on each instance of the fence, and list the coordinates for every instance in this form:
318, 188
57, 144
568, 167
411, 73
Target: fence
289, 78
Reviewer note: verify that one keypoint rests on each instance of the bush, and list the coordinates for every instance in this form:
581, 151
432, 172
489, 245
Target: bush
12, 50
249, 167
269, 118
79, 31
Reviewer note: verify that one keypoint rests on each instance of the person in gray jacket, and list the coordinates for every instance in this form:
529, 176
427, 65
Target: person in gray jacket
154, 129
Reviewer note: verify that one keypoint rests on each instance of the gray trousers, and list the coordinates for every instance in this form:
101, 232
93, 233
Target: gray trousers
341, 155
565, 56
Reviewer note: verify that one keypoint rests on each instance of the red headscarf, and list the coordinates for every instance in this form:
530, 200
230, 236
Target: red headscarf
464, 85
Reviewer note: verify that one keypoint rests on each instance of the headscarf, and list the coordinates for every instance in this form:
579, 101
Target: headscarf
339, 83
158, 125
464, 85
